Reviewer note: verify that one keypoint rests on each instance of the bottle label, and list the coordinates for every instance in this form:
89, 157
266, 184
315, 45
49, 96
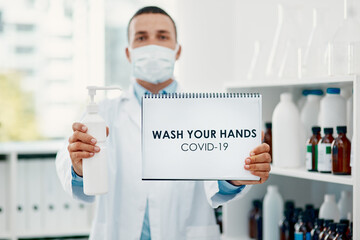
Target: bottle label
299, 236
308, 236
324, 158
309, 157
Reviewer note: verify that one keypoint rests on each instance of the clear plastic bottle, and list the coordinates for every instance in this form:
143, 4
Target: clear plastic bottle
324, 152
272, 215
312, 150
341, 150
345, 45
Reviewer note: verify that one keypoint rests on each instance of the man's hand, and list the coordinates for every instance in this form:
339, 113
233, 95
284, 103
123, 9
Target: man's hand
81, 145
258, 164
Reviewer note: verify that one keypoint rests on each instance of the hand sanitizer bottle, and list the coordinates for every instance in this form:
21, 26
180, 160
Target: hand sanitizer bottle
95, 169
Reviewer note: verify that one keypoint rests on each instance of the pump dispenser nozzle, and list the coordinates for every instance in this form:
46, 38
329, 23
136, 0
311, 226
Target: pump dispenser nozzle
93, 107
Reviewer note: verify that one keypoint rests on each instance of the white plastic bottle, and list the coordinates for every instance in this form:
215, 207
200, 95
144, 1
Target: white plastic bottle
309, 113
95, 169
329, 208
288, 137
345, 205
349, 117
273, 211
332, 110
301, 102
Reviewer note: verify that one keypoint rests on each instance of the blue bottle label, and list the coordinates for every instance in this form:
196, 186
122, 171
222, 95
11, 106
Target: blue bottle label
308, 236
299, 236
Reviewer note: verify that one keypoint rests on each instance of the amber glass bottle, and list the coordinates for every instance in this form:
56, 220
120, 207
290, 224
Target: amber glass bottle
326, 229
341, 232
312, 150
254, 215
268, 136
341, 150
324, 152
319, 227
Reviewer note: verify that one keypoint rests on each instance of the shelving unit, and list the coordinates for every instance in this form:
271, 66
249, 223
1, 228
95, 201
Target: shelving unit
293, 181
11, 152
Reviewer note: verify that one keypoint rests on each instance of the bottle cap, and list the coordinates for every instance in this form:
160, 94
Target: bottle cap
317, 92
327, 222
341, 129
320, 221
345, 221
268, 125
341, 228
333, 226
305, 92
257, 203
333, 90
328, 130
315, 130
289, 205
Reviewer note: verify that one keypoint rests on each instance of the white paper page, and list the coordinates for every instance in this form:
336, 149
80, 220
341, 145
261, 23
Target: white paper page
208, 138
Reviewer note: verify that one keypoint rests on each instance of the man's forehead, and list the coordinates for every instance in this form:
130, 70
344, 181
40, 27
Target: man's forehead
151, 22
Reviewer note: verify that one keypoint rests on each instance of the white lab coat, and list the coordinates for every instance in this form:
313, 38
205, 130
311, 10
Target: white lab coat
178, 210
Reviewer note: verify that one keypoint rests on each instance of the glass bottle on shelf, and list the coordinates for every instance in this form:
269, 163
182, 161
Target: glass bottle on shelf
314, 61
254, 215
324, 232
312, 149
341, 150
341, 232
345, 45
268, 136
319, 227
324, 152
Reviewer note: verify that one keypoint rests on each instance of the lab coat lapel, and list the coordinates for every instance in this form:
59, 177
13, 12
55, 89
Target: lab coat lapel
132, 107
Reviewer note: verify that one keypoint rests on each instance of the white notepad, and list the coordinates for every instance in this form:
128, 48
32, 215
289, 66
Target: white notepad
199, 136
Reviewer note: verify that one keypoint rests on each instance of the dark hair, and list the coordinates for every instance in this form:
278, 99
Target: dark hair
151, 9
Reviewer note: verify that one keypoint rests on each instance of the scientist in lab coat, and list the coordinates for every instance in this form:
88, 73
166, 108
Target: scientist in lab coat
134, 209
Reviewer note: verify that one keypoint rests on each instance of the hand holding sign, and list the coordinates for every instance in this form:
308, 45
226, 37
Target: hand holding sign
258, 163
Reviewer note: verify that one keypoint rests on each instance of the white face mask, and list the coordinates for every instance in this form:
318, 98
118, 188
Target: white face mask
153, 63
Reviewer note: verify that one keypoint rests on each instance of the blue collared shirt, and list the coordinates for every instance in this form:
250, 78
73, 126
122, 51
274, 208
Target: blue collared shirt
225, 187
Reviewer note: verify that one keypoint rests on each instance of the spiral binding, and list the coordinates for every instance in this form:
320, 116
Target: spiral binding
203, 95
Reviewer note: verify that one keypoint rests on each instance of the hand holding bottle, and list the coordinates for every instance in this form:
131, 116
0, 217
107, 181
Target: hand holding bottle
81, 145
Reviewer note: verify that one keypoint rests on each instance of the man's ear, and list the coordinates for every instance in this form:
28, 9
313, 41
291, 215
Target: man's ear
178, 53
127, 52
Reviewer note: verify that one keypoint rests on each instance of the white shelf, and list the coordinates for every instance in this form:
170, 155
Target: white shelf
292, 82
5, 235
53, 234
316, 176
37, 147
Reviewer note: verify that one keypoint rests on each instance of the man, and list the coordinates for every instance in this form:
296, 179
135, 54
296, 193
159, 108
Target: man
136, 209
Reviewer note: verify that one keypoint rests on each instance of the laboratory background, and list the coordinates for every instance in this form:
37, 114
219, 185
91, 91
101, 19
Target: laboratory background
303, 56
